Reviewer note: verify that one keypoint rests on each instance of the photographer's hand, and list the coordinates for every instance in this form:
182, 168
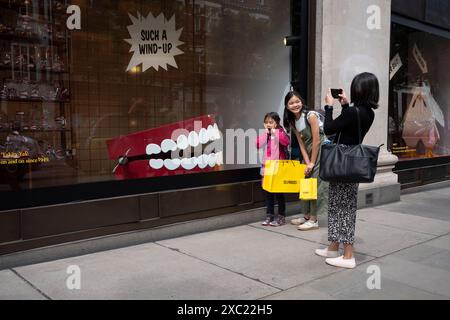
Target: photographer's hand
343, 98
329, 98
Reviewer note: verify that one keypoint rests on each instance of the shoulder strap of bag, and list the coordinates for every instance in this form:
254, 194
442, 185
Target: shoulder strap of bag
359, 125
305, 114
290, 144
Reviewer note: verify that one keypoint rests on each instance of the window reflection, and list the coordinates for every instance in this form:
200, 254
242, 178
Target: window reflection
68, 93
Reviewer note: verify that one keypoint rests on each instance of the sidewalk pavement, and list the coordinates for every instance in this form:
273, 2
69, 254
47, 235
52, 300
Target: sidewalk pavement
408, 240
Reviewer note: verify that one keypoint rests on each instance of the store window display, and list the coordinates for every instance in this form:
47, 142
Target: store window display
419, 106
94, 106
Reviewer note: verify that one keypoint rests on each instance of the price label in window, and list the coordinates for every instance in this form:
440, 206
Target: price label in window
395, 65
154, 42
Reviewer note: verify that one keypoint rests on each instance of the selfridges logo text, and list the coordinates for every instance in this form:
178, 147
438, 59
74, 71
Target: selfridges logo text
154, 42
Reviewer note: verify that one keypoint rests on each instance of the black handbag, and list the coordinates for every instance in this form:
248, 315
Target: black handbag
349, 164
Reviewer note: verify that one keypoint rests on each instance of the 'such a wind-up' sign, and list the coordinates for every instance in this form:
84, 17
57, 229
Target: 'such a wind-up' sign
154, 42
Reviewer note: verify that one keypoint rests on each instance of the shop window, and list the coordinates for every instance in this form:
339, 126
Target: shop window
419, 109
76, 108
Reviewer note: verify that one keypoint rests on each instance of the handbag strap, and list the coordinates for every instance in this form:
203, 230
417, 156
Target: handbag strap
339, 138
290, 143
359, 125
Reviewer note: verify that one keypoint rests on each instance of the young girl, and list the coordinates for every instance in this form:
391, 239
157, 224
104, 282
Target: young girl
275, 141
306, 126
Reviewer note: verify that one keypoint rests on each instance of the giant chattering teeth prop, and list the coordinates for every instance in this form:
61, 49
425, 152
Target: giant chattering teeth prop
178, 148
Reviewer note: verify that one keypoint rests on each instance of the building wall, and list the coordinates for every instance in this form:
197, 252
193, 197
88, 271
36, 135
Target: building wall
345, 47
350, 45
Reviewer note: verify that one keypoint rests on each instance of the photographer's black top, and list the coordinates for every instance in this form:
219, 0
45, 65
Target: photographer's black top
347, 123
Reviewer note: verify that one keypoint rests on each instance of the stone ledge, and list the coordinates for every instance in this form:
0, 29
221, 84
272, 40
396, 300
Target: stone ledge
377, 194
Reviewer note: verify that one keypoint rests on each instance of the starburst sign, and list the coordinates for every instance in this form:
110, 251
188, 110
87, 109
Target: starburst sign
154, 42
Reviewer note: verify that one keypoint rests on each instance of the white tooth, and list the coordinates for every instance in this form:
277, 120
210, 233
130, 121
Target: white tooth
202, 161
189, 163
156, 163
152, 149
203, 136
193, 139
182, 142
172, 164
168, 145
216, 131
212, 160
219, 158
211, 133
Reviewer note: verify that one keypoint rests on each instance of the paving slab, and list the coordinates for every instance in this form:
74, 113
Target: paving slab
301, 292
441, 242
431, 279
427, 255
143, 272
273, 258
405, 222
438, 191
425, 204
379, 240
400, 279
12, 287
352, 285
320, 236
434, 196
374, 240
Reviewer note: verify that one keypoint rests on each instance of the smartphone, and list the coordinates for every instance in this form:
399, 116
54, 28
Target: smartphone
335, 93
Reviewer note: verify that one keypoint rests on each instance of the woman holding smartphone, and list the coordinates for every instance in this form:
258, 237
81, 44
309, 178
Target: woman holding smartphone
343, 196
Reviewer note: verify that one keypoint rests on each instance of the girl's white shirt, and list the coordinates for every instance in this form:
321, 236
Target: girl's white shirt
300, 124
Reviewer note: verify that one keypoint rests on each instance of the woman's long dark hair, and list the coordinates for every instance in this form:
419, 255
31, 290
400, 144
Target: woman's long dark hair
365, 90
288, 116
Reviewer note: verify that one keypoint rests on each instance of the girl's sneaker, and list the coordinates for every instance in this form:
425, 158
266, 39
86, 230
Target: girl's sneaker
278, 221
309, 225
299, 221
268, 220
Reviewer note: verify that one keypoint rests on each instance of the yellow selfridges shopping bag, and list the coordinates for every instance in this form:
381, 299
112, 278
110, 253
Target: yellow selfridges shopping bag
283, 176
308, 189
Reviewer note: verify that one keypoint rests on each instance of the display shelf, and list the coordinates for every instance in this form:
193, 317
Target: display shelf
17, 38
41, 33
34, 100
41, 71
37, 131
19, 6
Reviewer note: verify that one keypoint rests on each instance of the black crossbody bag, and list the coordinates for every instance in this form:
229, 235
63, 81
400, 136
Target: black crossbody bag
349, 164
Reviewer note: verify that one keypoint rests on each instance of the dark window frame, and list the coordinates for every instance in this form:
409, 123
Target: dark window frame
421, 26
